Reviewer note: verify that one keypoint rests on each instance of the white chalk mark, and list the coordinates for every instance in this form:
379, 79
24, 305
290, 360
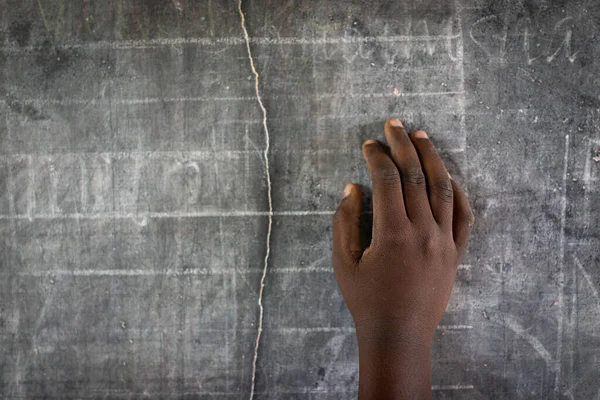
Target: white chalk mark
235, 305
31, 188
286, 330
229, 41
160, 100
174, 214
125, 272
351, 329
534, 342
139, 163
304, 391
588, 278
587, 170
189, 272
269, 199
460, 56
454, 327
200, 155
526, 47
573, 330
10, 189
476, 41
452, 387
566, 43
569, 391
561, 269
452, 57
318, 329
83, 178
177, 5
54, 209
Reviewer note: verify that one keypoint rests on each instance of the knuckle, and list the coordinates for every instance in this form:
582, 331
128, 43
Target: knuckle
413, 175
430, 242
442, 189
391, 240
386, 173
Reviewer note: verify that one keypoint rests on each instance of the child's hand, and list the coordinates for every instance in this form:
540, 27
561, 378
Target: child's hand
397, 289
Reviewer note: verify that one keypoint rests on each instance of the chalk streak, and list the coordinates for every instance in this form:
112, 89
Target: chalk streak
203, 155
269, 199
454, 327
561, 270
183, 272
452, 387
587, 170
159, 215
588, 278
160, 100
228, 41
533, 341
305, 391
31, 188
460, 58
285, 330
347, 329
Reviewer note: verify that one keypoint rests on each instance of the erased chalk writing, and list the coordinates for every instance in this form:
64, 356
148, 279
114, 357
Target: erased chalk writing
495, 37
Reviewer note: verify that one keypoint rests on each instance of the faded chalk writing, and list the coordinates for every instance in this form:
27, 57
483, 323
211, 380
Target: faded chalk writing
493, 36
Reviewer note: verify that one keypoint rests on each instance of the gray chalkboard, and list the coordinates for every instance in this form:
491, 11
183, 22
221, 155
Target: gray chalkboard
134, 199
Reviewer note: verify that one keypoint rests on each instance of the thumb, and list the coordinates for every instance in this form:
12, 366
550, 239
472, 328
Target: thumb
347, 247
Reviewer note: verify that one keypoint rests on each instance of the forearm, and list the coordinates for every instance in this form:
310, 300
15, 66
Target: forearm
393, 367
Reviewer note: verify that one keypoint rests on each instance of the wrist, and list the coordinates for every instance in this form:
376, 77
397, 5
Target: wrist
394, 333
395, 362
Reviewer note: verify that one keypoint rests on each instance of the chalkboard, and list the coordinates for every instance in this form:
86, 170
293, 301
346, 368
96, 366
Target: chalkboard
135, 202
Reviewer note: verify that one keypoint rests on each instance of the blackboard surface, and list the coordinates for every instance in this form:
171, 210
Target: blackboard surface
133, 194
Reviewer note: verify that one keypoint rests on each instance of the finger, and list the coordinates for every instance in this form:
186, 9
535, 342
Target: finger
438, 181
347, 248
463, 218
388, 205
413, 180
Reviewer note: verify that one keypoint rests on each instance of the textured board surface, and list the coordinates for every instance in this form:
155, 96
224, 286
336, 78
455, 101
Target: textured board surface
133, 197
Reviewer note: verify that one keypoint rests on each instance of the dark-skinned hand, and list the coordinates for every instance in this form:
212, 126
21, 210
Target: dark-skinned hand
398, 288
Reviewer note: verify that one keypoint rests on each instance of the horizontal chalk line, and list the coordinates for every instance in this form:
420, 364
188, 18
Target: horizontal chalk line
200, 154
293, 330
228, 41
141, 218
352, 329
178, 272
452, 387
114, 393
155, 100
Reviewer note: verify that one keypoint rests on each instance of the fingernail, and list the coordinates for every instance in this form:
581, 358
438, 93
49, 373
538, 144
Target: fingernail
396, 123
369, 141
420, 135
449, 176
347, 190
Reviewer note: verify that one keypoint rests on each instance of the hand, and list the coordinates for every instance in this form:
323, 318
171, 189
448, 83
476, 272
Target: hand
397, 289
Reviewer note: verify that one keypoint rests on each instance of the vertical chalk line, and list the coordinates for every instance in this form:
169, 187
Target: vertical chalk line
460, 58
561, 270
269, 199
